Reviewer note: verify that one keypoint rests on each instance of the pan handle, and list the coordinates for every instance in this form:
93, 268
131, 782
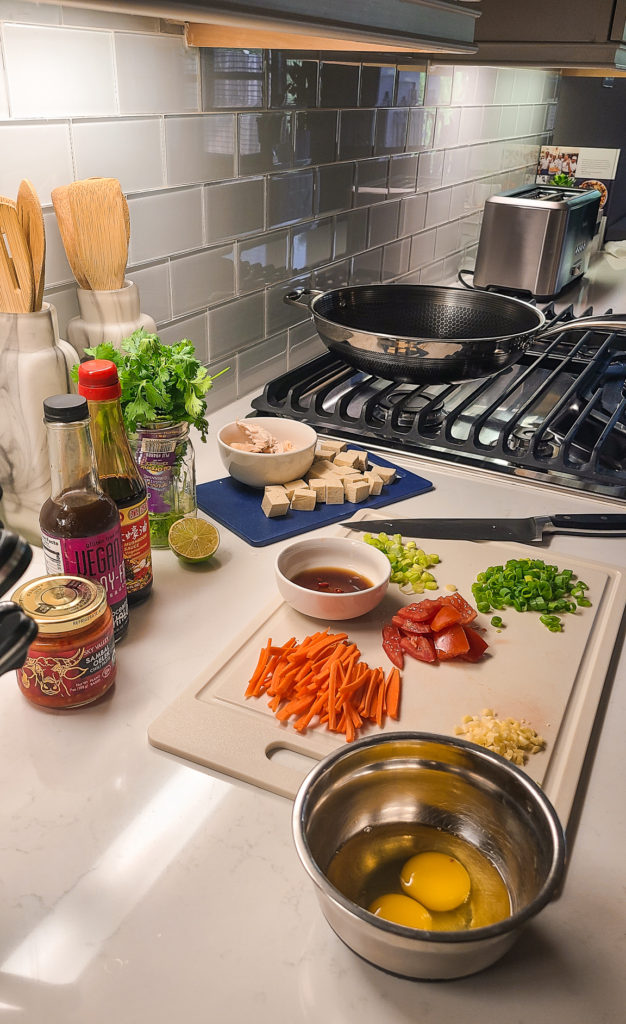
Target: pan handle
302, 297
609, 322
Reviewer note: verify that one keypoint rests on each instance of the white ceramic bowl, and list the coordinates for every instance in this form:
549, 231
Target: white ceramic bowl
338, 552
258, 469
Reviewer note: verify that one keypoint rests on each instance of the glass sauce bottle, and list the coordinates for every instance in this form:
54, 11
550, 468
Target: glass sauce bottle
80, 524
98, 382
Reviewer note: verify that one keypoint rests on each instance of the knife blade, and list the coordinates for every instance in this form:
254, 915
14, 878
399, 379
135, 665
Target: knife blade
525, 531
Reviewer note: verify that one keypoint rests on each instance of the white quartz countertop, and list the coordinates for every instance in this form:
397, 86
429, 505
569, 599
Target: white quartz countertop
137, 887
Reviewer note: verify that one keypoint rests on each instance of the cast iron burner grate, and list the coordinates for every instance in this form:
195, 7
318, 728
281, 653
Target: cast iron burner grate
558, 415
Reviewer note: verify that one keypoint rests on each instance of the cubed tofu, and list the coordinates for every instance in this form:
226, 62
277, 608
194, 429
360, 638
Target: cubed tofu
275, 502
321, 466
324, 452
337, 446
386, 473
347, 458
303, 499
361, 459
375, 482
357, 490
292, 486
318, 486
334, 492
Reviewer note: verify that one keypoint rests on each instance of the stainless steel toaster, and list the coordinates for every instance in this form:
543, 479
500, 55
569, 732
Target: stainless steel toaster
535, 239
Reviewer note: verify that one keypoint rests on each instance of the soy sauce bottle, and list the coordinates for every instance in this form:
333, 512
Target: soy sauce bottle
98, 382
80, 524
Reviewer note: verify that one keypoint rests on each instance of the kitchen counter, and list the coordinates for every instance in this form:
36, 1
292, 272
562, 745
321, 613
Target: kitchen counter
138, 887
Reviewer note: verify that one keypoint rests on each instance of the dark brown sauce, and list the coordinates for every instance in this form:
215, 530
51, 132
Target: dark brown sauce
331, 580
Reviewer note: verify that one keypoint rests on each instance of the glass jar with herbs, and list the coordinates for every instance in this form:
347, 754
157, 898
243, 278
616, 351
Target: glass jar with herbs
163, 395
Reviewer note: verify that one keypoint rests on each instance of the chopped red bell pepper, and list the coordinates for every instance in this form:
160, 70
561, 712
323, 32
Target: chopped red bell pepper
420, 647
451, 642
446, 616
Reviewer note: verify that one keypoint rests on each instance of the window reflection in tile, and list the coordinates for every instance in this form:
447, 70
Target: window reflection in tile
377, 85
371, 181
231, 79
315, 136
293, 83
264, 142
402, 175
356, 133
411, 86
421, 128
339, 84
262, 260
391, 128
350, 233
289, 197
312, 244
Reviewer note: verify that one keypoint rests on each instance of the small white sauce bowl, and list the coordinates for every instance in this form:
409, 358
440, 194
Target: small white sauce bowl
260, 469
341, 553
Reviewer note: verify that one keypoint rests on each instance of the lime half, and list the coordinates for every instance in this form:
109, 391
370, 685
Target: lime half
193, 540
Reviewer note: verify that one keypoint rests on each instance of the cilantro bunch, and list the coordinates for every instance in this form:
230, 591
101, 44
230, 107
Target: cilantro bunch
158, 381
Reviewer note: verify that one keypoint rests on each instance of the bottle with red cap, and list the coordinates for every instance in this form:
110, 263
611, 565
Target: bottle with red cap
99, 383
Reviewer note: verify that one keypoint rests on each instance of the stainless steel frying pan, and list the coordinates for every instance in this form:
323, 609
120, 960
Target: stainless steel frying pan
430, 334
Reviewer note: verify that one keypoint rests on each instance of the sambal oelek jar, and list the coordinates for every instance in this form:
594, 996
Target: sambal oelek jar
72, 660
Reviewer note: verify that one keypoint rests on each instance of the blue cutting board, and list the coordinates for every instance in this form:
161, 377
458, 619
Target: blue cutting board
238, 507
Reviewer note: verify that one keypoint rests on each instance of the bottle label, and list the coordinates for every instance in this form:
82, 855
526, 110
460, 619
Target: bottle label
99, 558
156, 459
136, 546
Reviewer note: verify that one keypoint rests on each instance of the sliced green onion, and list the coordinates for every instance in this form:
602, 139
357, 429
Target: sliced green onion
409, 563
529, 584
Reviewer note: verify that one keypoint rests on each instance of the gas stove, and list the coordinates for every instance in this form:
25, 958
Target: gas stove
557, 416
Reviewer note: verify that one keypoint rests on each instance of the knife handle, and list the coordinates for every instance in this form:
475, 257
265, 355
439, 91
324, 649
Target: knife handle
596, 524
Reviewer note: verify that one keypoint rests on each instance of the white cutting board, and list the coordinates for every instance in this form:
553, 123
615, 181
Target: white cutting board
552, 680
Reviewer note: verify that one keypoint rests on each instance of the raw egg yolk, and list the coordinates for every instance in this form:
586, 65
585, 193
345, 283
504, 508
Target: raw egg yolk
437, 880
401, 910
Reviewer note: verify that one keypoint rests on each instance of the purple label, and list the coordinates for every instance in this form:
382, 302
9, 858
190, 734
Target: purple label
100, 558
156, 471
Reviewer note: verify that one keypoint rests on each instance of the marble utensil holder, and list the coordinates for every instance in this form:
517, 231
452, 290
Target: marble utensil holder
34, 364
107, 316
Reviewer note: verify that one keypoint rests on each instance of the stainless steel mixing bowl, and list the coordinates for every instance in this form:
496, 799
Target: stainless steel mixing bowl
450, 784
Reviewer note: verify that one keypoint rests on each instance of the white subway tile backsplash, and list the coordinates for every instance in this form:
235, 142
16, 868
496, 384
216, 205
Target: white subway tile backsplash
199, 148
65, 301
438, 207
224, 389
202, 279
155, 292
250, 172
129, 149
165, 223
193, 328
156, 74
41, 152
234, 209
33, 56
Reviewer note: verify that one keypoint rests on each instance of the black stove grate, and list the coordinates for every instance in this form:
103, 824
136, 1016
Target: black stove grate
558, 415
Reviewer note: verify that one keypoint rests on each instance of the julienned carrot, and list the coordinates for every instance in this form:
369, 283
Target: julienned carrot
322, 681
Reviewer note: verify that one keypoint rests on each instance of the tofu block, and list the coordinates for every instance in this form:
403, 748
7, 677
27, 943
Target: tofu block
318, 486
361, 459
303, 499
321, 466
275, 502
374, 480
337, 446
324, 452
292, 486
357, 490
334, 492
347, 458
386, 473
347, 472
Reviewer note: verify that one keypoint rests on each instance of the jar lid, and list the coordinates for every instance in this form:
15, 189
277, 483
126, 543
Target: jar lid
65, 409
98, 380
60, 604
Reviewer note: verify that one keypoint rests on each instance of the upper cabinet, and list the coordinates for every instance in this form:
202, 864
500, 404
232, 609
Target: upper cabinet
579, 33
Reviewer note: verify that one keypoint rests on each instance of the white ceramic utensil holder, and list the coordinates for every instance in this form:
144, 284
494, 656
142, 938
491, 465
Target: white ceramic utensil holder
34, 364
107, 316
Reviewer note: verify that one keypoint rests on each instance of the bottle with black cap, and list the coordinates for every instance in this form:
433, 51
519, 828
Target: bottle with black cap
80, 524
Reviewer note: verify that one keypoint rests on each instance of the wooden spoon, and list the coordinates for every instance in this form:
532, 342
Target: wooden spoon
30, 216
61, 203
17, 290
99, 222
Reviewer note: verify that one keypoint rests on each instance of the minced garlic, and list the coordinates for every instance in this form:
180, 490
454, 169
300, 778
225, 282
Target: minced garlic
507, 737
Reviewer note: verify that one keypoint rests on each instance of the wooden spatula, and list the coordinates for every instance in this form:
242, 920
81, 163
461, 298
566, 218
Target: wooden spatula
61, 203
31, 218
17, 291
100, 226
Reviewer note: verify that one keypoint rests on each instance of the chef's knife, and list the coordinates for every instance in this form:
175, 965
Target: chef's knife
523, 530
